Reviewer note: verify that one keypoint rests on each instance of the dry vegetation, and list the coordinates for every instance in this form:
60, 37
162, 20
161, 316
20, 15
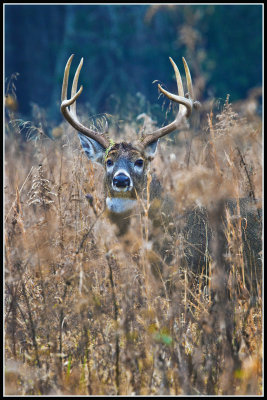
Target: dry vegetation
85, 311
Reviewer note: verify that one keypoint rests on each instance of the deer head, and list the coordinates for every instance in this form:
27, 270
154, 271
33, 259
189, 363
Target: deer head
126, 164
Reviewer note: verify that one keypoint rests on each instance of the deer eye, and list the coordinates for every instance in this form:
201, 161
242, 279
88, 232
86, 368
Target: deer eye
109, 163
139, 163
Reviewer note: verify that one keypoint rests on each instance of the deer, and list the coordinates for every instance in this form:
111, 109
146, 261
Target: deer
127, 165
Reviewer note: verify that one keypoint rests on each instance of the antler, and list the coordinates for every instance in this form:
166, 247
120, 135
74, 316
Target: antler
186, 104
68, 107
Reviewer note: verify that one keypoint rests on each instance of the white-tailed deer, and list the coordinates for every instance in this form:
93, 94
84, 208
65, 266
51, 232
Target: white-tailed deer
126, 173
126, 164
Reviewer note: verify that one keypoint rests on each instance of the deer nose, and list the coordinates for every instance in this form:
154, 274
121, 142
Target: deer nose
121, 181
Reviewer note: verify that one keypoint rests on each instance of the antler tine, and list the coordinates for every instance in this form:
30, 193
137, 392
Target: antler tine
70, 113
66, 79
188, 79
74, 86
186, 104
72, 101
181, 99
178, 80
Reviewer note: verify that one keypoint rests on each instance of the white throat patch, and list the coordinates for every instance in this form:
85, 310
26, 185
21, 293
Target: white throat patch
120, 204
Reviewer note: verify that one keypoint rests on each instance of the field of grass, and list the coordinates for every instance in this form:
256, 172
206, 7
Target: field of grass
86, 313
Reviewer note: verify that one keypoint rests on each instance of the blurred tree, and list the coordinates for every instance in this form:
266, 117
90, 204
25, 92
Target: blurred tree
126, 47
234, 45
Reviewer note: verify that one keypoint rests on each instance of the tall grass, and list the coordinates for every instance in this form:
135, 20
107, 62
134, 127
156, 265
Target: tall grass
91, 313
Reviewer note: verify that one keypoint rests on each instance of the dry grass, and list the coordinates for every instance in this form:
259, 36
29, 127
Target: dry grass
88, 313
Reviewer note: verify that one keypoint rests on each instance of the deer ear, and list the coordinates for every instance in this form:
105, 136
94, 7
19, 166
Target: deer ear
94, 151
151, 149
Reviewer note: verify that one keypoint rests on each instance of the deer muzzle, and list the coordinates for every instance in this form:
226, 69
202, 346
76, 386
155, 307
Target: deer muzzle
121, 182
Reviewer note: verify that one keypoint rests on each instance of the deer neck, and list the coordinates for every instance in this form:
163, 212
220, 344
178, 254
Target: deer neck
120, 205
